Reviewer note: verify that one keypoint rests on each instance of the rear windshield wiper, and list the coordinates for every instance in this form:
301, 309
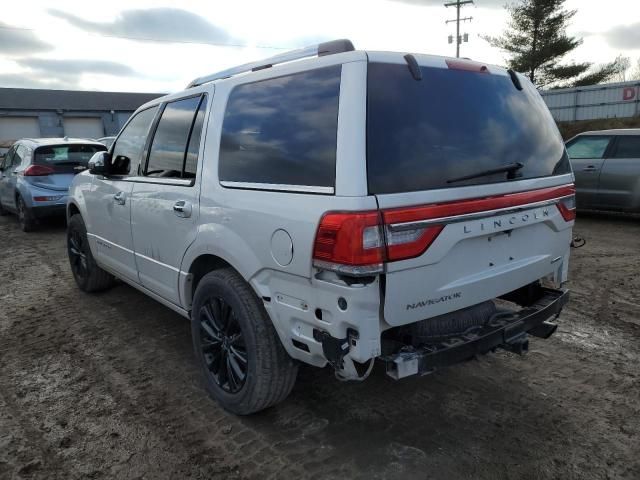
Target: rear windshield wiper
510, 168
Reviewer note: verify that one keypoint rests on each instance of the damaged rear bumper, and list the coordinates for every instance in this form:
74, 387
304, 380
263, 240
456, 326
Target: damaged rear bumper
506, 332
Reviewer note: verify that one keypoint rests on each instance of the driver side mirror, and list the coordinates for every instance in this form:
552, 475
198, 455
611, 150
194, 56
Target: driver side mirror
99, 164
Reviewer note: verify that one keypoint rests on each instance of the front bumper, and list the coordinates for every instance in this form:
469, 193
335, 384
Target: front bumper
508, 332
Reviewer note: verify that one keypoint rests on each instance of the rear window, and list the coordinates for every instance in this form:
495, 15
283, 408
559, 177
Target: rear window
282, 130
65, 155
452, 124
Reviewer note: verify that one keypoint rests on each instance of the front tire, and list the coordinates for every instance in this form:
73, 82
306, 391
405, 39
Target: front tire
25, 216
3, 212
86, 272
246, 368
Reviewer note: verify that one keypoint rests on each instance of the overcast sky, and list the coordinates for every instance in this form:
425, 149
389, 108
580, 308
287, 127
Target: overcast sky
159, 45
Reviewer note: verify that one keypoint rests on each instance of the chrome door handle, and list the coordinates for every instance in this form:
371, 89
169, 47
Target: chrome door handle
120, 198
182, 208
589, 168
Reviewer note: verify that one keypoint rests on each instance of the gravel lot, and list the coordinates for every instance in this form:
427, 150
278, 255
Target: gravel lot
104, 386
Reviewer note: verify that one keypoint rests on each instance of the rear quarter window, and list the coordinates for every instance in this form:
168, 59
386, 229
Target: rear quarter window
282, 130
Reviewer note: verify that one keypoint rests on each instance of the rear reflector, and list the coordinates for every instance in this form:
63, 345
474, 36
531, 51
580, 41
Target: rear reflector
358, 243
37, 171
48, 199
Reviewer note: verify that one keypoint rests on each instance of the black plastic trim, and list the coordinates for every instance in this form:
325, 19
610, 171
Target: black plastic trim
414, 68
510, 335
515, 79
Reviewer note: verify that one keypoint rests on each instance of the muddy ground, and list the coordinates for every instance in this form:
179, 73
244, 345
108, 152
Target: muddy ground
104, 386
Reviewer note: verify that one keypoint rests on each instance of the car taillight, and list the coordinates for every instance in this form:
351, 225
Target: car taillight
404, 239
37, 171
567, 207
350, 242
358, 243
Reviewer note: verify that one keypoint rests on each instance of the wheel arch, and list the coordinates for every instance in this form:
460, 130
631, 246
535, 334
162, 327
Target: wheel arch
199, 267
72, 209
214, 248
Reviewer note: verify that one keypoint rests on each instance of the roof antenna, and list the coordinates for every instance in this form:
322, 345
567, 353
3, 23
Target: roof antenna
414, 68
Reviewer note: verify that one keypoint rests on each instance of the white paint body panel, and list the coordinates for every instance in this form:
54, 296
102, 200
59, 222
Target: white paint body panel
110, 226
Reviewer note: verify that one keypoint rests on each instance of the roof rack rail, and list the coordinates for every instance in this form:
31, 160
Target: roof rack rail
321, 50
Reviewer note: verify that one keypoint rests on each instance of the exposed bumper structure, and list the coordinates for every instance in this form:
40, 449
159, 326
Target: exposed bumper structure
508, 332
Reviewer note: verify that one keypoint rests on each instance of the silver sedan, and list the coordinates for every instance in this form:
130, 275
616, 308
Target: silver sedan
606, 165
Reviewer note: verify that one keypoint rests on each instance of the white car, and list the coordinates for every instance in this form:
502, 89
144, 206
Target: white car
334, 206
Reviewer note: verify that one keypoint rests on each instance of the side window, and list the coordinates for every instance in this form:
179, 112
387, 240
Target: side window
628, 146
19, 156
171, 146
282, 130
127, 152
588, 147
8, 159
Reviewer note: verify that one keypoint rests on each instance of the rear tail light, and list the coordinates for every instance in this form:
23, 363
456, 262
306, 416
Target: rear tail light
567, 207
37, 171
358, 243
350, 242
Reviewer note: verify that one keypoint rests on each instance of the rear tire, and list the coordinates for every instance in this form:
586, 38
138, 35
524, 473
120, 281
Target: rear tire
86, 272
246, 368
25, 216
3, 212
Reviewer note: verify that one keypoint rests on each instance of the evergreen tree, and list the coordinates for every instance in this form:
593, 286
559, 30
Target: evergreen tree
536, 42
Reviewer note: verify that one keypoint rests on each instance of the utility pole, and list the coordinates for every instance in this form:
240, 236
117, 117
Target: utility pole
458, 4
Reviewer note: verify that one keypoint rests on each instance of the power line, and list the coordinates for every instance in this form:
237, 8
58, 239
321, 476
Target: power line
159, 40
458, 4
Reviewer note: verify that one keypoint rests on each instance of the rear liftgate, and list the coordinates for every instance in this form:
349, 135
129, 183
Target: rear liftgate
359, 244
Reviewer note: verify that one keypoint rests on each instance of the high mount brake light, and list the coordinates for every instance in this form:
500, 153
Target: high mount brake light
467, 66
358, 243
37, 171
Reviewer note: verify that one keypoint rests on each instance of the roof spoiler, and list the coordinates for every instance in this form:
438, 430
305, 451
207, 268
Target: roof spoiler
320, 50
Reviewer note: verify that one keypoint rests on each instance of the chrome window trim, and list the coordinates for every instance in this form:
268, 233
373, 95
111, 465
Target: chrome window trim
400, 227
277, 187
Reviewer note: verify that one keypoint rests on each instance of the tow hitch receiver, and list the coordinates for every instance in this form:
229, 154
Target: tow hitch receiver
508, 332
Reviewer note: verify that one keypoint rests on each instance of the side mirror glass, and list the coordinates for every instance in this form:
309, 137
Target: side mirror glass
99, 163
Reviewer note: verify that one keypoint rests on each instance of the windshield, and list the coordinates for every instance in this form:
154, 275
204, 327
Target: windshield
454, 124
66, 158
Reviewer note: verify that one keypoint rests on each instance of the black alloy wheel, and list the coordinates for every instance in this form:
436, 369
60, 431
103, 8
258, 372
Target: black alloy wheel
25, 218
76, 246
223, 345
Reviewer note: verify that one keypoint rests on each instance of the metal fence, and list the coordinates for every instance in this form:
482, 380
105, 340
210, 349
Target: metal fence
613, 100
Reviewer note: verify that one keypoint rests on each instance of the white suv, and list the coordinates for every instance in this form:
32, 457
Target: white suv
333, 206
